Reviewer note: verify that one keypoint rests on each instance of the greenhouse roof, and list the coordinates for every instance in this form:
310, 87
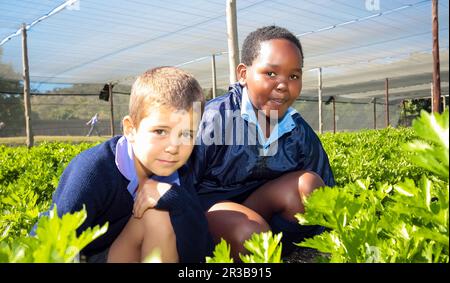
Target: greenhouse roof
357, 43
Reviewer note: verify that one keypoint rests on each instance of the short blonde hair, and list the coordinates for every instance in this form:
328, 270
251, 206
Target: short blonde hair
164, 86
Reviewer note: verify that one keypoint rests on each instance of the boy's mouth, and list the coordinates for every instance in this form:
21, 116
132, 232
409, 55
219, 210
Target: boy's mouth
167, 162
276, 102
279, 101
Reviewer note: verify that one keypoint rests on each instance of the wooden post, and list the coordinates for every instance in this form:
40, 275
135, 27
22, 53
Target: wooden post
386, 86
436, 65
111, 104
320, 100
374, 113
26, 88
404, 112
334, 115
213, 71
432, 96
232, 34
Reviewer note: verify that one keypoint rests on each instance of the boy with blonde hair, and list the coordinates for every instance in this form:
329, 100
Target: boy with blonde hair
165, 109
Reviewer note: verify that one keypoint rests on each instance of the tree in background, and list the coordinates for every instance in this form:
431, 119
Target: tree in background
411, 109
11, 103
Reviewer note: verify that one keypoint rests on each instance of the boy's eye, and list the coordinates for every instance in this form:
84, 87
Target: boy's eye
271, 74
187, 135
160, 132
295, 77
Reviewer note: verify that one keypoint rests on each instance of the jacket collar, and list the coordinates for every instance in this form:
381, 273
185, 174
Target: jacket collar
125, 163
285, 125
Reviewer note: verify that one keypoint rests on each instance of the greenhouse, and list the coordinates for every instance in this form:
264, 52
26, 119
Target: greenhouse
374, 89
358, 45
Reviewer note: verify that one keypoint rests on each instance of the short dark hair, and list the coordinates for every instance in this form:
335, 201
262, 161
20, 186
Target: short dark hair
252, 43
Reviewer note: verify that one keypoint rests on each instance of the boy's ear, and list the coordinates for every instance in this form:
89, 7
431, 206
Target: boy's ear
242, 73
128, 128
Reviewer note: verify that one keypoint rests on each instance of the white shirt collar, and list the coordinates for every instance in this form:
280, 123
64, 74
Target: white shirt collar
283, 126
125, 163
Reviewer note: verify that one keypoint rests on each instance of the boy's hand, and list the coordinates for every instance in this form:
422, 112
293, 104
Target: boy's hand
148, 195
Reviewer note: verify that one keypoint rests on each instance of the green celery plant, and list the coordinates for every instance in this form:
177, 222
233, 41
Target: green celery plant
404, 222
263, 247
55, 241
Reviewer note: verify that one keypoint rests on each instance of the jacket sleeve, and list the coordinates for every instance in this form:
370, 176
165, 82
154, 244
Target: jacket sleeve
316, 159
193, 239
74, 191
197, 162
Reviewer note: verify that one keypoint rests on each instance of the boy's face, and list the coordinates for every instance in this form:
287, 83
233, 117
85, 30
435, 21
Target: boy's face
274, 80
163, 140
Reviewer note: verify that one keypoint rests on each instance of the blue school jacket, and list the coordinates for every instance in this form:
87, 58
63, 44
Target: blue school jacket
228, 163
93, 179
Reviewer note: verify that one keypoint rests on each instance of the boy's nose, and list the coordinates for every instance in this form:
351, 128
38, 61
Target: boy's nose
281, 85
172, 149
173, 145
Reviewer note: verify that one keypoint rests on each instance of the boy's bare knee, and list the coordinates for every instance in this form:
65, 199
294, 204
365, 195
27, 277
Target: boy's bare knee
241, 233
158, 235
157, 221
309, 181
246, 228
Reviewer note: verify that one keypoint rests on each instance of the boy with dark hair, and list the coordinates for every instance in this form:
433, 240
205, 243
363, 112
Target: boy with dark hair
248, 186
165, 107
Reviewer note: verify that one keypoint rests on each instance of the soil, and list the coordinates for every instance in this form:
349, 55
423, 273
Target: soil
302, 255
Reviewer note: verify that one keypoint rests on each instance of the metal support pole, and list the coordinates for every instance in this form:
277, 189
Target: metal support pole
213, 71
232, 34
320, 100
436, 65
26, 88
111, 104
386, 86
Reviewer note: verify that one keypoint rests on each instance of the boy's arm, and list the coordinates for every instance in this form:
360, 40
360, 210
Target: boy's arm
148, 195
316, 159
75, 190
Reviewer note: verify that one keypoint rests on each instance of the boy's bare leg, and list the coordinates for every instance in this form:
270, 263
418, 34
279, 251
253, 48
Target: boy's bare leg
235, 223
282, 195
141, 236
